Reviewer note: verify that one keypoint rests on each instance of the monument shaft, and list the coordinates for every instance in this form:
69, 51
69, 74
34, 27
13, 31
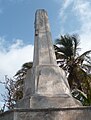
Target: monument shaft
47, 78
43, 50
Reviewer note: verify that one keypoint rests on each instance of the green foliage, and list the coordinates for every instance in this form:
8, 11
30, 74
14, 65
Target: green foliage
77, 67
14, 87
8, 96
19, 77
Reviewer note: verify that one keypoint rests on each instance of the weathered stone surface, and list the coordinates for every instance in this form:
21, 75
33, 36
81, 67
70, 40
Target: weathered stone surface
52, 102
81, 113
9, 115
46, 85
50, 80
29, 84
43, 51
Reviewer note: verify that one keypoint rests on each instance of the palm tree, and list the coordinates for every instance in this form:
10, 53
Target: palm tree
77, 67
19, 77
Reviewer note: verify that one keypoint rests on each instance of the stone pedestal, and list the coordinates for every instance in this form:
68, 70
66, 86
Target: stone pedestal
51, 89
74, 113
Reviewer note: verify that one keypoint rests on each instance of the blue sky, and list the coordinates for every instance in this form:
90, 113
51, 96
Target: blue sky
17, 28
17, 18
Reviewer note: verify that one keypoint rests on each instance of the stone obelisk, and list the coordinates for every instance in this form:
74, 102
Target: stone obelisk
46, 90
46, 85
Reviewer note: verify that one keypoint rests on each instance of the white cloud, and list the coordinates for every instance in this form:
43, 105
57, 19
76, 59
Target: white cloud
64, 6
12, 60
82, 10
62, 15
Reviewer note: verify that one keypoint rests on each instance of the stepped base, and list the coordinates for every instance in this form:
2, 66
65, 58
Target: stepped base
38, 102
74, 113
42, 102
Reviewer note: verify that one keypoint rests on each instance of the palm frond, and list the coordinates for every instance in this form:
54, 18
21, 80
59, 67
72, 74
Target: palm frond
87, 67
57, 49
84, 57
60, 55
27, 65
85, 54
76, 42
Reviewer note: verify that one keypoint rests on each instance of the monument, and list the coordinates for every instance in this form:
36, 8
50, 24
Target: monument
47, 93
46, 85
